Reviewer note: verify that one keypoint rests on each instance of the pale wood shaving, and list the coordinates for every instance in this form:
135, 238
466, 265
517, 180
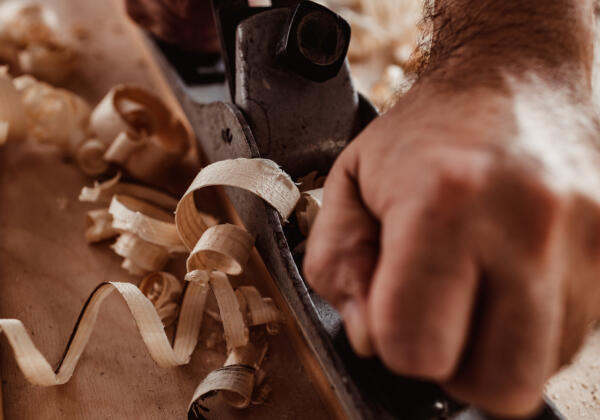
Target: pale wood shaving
164, 291
235, 381
99, 226
252, 354
89, 157
38, 371
308, 208
47, 62
140, 256
197, 276
261, 310
236, 331
102, 192
54, 115
259, 176
126, 143
138, 131
150, 223
142, 223
223, 247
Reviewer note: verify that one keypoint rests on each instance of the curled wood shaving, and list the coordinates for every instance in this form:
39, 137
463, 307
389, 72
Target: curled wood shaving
259, 176
47, 62
235, 381
138, 131
237, 309
250, 355
31, 41
89, 157
223, 247
139, 255
37, 370
261, 310
99, 226
307, 209
102, 192
236, 332
197, 276
163, 290
54, 115
124, 145
148, 222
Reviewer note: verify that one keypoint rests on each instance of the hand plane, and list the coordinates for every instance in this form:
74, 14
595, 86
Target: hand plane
281, 89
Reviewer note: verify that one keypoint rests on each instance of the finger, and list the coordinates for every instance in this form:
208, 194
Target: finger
512, 351
424, 286
582, 246
342, 250
515, 342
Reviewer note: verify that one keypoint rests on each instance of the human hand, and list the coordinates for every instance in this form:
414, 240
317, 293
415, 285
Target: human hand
188, 24
460, 239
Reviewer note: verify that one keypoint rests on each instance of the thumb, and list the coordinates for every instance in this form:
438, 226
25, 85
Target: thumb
342, 251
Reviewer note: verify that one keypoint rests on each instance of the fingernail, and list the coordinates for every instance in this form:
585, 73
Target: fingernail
356, 329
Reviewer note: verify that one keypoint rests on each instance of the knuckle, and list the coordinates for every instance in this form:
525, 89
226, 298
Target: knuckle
338, 275
520, 205
449, 177
461, 169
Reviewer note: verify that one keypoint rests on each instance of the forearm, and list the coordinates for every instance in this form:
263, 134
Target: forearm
483, 38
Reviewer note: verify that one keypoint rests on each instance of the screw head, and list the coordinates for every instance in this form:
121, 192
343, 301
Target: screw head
316, 42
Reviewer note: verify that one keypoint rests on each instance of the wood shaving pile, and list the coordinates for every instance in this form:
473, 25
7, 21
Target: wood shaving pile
218, 251
130, 128
131, 131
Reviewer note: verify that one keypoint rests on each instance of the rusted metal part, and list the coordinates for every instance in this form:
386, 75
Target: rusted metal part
303, 125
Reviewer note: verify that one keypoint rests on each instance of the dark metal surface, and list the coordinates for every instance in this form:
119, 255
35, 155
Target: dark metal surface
302, 125
315, 43
298, 123
228, 14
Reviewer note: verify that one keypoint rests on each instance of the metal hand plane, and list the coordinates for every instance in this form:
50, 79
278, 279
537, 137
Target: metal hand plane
281, 89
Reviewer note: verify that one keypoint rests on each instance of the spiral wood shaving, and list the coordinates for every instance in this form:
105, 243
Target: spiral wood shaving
226, 249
